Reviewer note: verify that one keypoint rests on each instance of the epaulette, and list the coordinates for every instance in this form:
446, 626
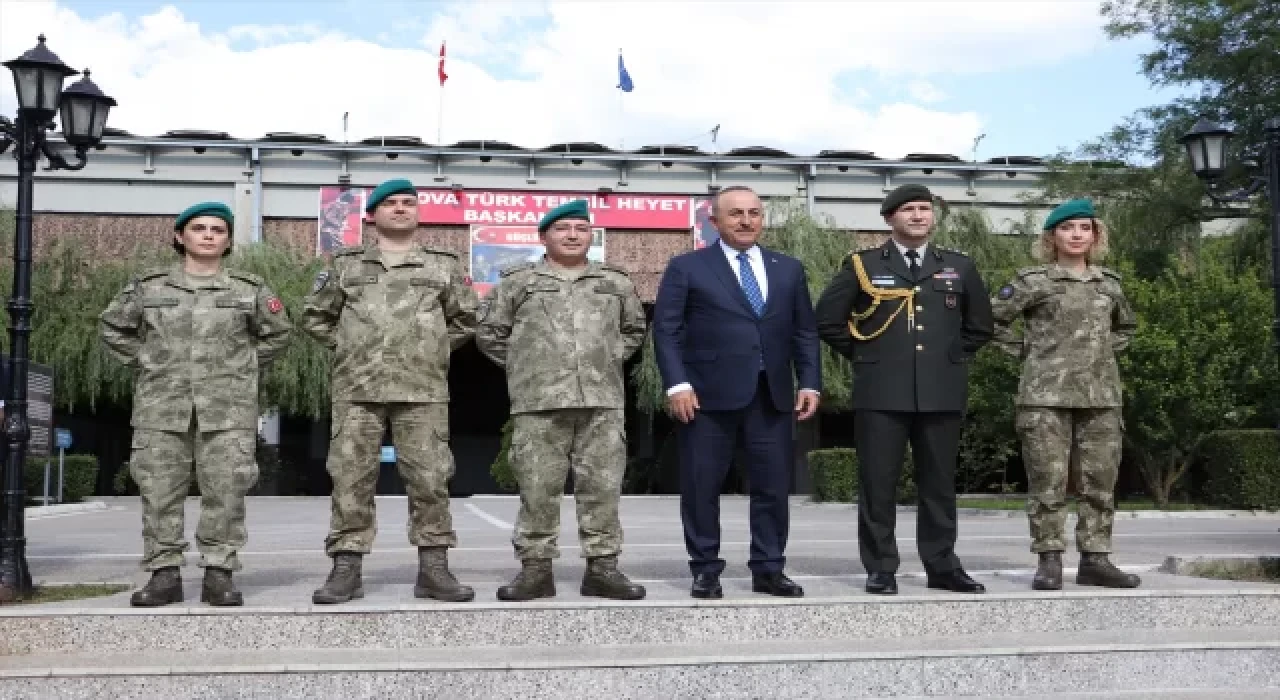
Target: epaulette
440, 251
1112, 274
249, 277
153, 273
512, 269
1027, 271
952, 250
349, 250
614, 268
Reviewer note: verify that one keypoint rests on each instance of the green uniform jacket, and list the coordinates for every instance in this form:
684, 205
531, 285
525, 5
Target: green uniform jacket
195, 347
392, 330
562, 339
1073, 326
924, 368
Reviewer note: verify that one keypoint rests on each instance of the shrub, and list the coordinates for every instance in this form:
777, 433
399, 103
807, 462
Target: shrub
79, 477
835, 476
1241, 469
501, 468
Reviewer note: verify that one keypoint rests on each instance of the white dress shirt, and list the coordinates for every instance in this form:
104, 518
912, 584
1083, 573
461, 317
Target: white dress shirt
902, 250
755, 258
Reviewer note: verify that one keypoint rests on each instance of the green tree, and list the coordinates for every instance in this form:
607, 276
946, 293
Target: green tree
1197, 364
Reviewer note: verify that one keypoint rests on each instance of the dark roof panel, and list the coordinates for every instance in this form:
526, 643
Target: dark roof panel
848, 155
669, 150
486, 146
763, 151
196, 135
932, 158
1015, 160
412, 141
576, 147
291, 137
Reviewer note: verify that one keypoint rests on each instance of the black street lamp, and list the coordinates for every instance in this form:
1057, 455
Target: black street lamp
1206, 144
38, 76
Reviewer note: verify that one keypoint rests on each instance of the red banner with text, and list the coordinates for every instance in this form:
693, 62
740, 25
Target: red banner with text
341, 209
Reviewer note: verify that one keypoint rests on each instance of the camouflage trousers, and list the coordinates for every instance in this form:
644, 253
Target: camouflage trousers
421, 435
225, 467
545, 445
1057, 442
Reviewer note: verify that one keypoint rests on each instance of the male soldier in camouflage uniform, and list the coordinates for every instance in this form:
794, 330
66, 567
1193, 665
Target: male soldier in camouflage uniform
392, 313
197, 336
1075, 319
562, 328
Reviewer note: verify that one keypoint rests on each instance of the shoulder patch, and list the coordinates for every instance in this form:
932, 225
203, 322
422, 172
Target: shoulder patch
1028, 271
614, 268
1005, 292
512, 269
249, 277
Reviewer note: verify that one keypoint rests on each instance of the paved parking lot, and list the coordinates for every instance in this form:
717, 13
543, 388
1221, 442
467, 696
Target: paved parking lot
284, 558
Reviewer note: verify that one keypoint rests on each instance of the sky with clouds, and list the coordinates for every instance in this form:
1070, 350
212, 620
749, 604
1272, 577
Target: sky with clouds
1034, 76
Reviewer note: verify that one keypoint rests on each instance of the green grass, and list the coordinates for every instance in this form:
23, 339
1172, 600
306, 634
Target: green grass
1265, 572
57, 594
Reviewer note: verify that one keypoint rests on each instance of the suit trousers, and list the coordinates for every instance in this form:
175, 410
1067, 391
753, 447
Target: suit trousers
881, 439
706, 450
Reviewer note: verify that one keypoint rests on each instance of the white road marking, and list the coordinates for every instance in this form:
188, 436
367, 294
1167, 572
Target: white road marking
492, 520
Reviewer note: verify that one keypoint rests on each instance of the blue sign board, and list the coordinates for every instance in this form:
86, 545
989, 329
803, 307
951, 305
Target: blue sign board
62, 438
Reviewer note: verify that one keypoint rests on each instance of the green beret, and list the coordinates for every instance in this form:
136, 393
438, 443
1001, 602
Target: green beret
388, 188
217, 209
577, 209
1074, 209
904, 194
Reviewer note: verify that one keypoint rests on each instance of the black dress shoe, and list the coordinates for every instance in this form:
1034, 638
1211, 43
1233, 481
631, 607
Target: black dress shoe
707, 586
882, 583
775, 583
956, 581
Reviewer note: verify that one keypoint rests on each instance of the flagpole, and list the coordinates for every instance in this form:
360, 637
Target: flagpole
622, 116
440, 120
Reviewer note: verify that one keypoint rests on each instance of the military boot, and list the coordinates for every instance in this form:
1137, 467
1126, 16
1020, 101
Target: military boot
1049, 573
534, 581
603, 580
1096, 569
435, 579
218, 589
164, 587
343, 583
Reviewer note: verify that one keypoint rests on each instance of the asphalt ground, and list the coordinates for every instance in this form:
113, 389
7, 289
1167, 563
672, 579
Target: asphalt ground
284, 558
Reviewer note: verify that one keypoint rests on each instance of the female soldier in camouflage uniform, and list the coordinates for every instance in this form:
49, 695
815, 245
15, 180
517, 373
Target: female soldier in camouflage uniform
196, 335
1076, 319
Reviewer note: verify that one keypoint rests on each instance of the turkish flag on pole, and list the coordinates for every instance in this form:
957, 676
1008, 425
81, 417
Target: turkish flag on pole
443, 75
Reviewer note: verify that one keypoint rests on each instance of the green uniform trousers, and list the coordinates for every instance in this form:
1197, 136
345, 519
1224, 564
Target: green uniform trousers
420, 432
545, 445
1055, 443
225, 468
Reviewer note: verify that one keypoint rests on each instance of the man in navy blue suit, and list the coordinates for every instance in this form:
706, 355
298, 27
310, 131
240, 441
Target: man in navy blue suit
734, 331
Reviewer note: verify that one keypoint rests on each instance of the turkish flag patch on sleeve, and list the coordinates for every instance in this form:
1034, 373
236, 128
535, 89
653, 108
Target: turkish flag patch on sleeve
274, 305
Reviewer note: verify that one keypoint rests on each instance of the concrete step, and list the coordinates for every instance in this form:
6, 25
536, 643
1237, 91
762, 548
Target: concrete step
385, 621
1040, 664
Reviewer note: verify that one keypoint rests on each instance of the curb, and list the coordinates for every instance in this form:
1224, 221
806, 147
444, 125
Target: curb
64, 509
1119, 515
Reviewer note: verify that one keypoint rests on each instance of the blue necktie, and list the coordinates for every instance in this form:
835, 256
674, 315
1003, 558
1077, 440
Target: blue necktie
750, 286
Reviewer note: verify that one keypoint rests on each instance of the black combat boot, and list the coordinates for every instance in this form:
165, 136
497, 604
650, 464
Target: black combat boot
164, 587
343, 583
435, 580
534, 581
1049, 573
218, 589
1096, 569
603, 580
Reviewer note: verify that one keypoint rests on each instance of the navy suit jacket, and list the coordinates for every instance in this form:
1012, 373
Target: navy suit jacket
706, 334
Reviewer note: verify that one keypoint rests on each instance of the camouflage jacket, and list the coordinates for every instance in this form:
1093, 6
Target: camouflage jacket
1073, 326
562, 339
195, 345
393, 329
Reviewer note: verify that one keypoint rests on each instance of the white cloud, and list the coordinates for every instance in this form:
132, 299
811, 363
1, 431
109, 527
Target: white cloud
793, 75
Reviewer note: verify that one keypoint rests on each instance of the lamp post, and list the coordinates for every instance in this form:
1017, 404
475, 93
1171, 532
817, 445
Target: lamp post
38, 76
1206, 144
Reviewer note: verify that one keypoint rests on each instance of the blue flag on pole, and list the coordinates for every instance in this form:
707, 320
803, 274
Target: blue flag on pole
624, 78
